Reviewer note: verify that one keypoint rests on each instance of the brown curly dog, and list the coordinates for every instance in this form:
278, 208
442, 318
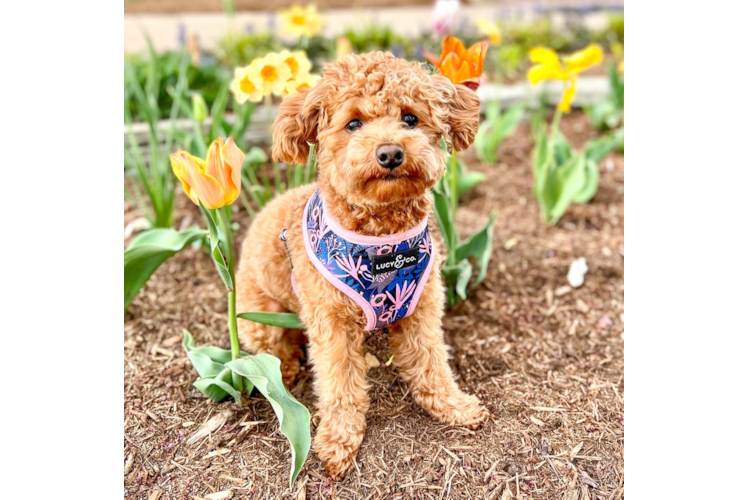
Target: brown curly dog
361, 104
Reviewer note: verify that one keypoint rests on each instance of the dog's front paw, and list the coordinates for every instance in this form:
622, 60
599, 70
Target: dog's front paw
290, 371
463, 409
336, 445
338, 458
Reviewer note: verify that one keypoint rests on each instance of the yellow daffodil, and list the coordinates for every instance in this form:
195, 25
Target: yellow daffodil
620, 67
490, 29
548, 66
269, 73
302, 21
243, 88
217, 180
303, 81
297, 62
460, 65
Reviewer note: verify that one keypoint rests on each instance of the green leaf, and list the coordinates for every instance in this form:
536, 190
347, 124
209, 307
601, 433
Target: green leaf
495, 129
458, 277
218, 259
209, 361
563, 184
563, 150
218, 387
283, 320
479, 246
256, 156
263, 370
540, 157
597, 149
467, 181
441, 210
592, 180
510, 120
149, 250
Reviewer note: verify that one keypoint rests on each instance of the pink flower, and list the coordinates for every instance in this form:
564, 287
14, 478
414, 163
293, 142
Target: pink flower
384, 250
385, 316
402, 294
352, 268
378, 300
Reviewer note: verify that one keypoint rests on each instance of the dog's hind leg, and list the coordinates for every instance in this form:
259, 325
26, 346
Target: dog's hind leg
256, 338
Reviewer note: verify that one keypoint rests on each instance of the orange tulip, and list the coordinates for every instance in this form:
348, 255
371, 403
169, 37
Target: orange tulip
217, 181
460, 65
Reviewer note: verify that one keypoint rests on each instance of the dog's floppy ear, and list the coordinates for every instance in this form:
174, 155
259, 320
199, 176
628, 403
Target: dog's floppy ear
294, 127
464, 117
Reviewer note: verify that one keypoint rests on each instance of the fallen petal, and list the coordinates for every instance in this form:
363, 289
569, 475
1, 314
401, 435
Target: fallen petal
576, 273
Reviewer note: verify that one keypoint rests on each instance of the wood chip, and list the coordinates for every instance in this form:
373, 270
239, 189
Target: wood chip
562, 290
231, 479
155, 495
571, 494
371, 361
576, 450
582, 306
537, 421
215, 453
450, 454
212, 425
220, 495
172, 341
488, 473
586, 479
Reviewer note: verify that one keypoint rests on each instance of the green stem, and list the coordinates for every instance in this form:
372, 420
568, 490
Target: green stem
451, 254
228, 237
554, 133
234, 336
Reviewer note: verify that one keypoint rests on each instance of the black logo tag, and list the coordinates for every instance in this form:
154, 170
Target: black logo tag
394, 261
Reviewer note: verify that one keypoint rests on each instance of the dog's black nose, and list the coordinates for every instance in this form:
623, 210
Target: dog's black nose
390, 155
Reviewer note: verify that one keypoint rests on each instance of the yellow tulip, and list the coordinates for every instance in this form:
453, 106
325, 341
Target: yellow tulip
217, 180
269, 74
569, 92
302, 21
548, 67
243, 88
460, 65
490, 29
584, 59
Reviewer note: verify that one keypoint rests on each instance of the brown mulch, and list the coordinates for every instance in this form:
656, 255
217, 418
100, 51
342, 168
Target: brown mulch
177, 6
545, 359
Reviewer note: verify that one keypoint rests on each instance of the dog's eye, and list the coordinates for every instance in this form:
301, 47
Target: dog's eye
354, 125
410, 120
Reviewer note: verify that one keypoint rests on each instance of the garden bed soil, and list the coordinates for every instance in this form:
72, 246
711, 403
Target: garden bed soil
545, 359
178, 6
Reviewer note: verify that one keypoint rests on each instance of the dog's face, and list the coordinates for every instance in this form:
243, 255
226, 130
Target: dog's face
377, 123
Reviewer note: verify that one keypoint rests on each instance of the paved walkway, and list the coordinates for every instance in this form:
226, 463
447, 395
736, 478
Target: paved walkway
168, 30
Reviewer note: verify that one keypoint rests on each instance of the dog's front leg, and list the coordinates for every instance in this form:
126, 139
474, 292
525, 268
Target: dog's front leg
335, 349
421, 357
